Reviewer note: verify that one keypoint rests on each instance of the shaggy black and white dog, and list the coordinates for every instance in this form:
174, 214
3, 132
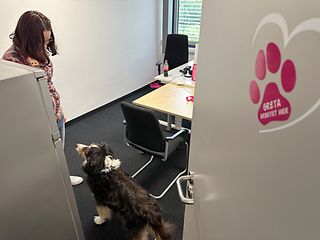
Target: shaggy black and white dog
115, 192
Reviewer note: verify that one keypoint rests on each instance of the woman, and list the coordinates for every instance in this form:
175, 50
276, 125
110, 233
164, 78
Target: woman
33, 42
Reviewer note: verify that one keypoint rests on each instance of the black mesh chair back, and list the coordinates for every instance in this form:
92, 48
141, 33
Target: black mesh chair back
143, 130
177, 50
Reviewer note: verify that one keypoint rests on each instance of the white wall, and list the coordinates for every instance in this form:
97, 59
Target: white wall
107, 48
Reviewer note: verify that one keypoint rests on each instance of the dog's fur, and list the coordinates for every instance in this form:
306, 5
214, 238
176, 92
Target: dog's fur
115, 192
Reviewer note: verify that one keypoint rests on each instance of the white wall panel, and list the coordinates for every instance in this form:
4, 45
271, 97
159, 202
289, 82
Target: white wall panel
107, 48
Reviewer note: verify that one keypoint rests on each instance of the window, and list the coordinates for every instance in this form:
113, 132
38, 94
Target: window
187, 17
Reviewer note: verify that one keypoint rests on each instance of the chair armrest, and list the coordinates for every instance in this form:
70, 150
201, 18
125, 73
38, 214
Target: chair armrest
182, 131
159, 63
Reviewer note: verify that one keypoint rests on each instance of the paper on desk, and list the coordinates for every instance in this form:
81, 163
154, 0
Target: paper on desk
184, 82
169, 78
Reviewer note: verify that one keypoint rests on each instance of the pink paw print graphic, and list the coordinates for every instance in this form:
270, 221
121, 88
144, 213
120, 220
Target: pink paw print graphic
273, 106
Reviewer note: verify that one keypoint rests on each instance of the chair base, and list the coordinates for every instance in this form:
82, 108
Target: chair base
143, 167
170, 184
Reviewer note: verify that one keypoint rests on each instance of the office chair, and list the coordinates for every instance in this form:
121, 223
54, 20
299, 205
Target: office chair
177, 51
143, 132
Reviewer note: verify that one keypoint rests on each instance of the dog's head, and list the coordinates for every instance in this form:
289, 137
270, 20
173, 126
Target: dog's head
98, 158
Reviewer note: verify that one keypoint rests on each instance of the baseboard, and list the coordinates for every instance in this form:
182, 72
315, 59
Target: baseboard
103, 106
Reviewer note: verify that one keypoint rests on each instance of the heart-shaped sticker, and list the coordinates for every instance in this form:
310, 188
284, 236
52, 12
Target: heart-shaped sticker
273, 106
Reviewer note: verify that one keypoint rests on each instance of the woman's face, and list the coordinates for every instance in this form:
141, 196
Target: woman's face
47, 37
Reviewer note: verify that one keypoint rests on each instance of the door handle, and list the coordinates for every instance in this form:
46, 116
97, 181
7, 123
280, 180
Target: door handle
189, 178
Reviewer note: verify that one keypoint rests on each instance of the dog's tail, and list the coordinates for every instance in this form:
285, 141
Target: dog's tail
163, 230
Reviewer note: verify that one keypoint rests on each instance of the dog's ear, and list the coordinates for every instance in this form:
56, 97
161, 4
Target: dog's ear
94, 161
94, 157
86, 151
106, 149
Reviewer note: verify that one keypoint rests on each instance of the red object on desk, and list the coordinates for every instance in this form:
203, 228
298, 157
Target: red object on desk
190, 98
195, 62
194, 71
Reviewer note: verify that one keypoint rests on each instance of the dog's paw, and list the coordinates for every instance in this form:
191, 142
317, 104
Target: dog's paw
98, 220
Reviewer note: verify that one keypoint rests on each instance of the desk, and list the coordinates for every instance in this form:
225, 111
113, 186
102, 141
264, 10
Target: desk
169, 99
175, 76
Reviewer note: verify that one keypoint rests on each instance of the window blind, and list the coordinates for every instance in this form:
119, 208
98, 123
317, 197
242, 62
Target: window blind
189, 17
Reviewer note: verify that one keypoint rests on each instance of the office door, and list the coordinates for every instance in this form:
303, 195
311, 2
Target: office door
255, 138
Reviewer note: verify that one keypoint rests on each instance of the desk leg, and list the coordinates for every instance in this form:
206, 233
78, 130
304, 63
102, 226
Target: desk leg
169, 122
178, 122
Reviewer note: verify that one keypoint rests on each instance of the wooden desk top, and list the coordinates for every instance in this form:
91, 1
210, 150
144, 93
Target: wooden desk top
169, 99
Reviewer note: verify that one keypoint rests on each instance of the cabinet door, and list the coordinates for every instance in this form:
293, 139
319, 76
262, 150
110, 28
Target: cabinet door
36, 201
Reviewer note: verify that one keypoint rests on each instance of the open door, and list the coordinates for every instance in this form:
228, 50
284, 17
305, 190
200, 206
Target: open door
255, 133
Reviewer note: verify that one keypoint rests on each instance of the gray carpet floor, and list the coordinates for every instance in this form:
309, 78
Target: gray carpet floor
105, 125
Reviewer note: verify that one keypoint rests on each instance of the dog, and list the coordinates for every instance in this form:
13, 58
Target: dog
116, 193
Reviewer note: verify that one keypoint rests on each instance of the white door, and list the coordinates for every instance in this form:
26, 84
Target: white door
255, 134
